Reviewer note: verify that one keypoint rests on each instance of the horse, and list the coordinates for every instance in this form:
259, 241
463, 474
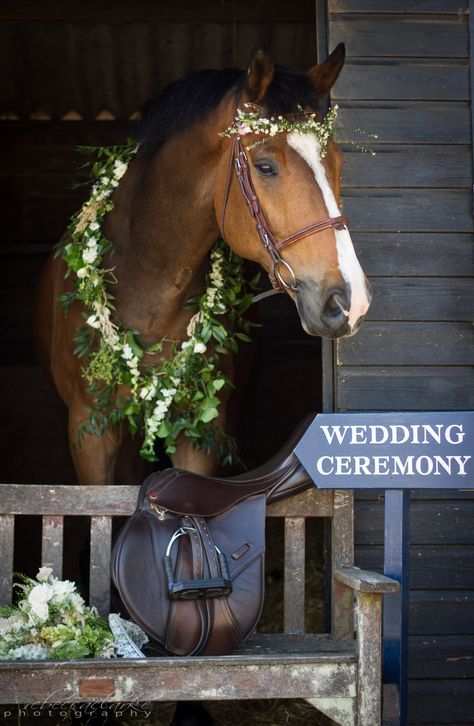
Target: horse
178, 195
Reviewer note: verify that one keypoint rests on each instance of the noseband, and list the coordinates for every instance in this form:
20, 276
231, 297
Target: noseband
239, 161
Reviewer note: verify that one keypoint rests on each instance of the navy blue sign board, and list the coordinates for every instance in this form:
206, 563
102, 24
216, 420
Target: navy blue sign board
390, 450
395, 452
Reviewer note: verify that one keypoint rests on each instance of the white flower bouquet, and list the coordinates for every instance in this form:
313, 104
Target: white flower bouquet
52, 620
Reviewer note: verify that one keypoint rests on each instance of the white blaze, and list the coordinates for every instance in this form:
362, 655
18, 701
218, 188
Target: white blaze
309, 148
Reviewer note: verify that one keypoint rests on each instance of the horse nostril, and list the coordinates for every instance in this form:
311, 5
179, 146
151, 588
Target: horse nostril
335, 309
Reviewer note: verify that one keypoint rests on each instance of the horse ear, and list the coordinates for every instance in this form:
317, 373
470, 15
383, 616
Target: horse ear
324, 75
259, 75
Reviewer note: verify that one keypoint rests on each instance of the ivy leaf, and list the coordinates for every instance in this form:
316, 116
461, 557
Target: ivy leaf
209, 414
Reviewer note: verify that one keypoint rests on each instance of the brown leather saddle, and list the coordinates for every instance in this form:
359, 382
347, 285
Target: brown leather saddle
189, 564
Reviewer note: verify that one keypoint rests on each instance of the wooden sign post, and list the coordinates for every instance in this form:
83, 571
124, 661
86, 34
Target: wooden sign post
395, 452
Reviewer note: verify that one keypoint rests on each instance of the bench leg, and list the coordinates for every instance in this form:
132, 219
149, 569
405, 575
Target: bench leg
369, 646
343, 711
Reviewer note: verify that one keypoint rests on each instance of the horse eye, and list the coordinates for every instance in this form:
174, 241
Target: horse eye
266, 168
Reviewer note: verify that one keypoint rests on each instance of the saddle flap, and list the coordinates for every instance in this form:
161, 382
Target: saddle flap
198, 625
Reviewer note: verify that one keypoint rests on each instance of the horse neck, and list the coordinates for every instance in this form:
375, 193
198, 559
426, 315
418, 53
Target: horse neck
162, 226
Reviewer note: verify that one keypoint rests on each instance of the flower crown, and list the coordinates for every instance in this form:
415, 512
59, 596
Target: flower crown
249, 121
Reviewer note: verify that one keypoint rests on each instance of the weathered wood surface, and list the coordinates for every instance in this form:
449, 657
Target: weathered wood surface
441, 656
121, 501
136, 58
186, 10
52, 543
99, 577
423, 299
434, 567
416, 36
441, 612
435, 522
402, 210
410, 388
69, 500
363, 581
7, 524
161, 679
441, 701
411, 79
399, 6
404, 122
409, 221
447, 166
294, 575
369, 629
409, 343
311, 503
396, 254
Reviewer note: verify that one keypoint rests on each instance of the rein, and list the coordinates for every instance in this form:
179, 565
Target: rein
238, 161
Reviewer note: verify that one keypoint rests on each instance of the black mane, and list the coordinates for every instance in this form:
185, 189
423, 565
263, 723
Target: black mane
188, 100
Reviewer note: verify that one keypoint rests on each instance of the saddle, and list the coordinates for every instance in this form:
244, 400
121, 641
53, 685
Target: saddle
188, 566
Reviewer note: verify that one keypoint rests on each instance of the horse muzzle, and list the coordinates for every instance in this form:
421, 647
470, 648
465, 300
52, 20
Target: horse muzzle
326, 315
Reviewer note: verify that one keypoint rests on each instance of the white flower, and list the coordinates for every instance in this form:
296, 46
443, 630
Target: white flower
94, 226
76, 601
61, 588
199, 348
119, 168
28, 652
90, 255
185, 344
93, 321
81, 273
127, 352
38, 600
44, 573
274, 129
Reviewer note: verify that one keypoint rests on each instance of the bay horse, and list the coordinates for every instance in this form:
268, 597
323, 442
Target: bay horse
178, 195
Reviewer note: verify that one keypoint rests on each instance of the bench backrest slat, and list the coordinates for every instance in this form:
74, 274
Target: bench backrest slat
52, 543
294, 577
7, 524
99, 577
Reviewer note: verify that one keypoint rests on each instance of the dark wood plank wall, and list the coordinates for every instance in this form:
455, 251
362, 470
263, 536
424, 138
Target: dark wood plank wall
410, 208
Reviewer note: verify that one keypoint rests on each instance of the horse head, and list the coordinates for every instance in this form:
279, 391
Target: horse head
288, 197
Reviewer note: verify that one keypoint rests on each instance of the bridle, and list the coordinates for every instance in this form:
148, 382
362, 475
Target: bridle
239, 162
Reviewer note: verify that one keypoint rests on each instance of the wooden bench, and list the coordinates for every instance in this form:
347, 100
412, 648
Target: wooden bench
339, 673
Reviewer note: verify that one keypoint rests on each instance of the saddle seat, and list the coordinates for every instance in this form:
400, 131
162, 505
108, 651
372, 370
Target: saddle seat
178, 490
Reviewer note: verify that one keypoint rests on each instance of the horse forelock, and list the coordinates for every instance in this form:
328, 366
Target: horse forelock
191, 99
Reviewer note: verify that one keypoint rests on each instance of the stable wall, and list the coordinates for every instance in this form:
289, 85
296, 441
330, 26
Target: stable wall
407, 78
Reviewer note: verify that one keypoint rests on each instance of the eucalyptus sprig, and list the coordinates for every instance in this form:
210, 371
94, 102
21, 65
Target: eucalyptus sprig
177, 395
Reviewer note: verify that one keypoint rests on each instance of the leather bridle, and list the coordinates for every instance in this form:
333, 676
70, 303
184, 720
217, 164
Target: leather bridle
239, 162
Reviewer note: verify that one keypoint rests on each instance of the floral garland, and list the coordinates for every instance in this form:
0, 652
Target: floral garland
249, 121
178, 395
51, 620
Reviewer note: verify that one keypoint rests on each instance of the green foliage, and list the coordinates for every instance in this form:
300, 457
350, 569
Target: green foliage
178, 395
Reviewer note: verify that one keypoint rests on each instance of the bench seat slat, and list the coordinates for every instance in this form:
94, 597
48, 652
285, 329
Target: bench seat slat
7, 528
225, 677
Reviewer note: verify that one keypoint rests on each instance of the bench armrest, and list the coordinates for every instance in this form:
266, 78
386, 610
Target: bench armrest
365, 581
